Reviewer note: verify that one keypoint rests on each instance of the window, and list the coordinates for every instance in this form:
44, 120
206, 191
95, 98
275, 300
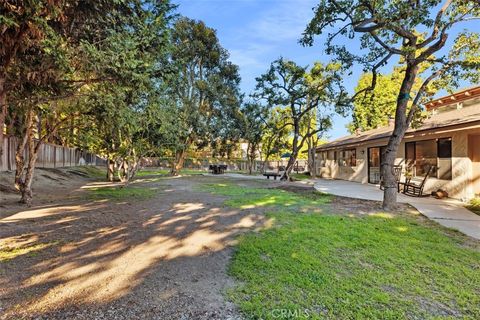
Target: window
348, 158
420, 155
352, 158
374, 157
410, 152
322, 158
445, 158
445, 148
375, 160
425, 157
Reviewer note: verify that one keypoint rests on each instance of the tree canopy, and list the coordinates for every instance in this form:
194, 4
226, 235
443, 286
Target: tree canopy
419, 34
300, 91
123, 79
375, 107
204, 86
128, 79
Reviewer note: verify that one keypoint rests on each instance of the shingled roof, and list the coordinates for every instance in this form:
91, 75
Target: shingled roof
440, 120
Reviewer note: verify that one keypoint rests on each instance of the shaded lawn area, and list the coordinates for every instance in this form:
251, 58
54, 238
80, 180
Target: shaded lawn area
347, 266
153, 171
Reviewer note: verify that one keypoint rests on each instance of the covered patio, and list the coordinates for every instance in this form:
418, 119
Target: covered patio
450, 213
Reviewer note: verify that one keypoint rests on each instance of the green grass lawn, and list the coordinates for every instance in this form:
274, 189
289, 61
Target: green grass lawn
300, 176
474, 205
119, 193
335, 266
150, 172
248, 197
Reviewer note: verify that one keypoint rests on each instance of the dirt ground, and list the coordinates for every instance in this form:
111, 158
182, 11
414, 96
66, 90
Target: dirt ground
164, 257
159, 258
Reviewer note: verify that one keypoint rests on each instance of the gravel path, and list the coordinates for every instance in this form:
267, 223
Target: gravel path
161, 258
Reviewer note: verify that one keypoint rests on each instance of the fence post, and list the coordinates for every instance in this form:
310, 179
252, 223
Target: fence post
9, 156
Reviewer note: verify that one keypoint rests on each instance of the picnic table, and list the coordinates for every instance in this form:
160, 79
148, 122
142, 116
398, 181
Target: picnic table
217, 168
272, 174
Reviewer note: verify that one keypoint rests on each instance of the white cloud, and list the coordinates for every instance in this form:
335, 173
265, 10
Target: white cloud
284, 21
267, 35
255, 32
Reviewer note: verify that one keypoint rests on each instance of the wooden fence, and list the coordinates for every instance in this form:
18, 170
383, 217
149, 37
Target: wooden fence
232, 164
49, 156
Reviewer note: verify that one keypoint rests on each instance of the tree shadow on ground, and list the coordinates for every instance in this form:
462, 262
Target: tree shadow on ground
152, 257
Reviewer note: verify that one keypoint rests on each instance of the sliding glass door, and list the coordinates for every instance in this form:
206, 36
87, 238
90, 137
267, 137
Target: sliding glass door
374, 164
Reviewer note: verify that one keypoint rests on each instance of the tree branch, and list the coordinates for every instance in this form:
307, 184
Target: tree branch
374, 77
421, 91
384, 45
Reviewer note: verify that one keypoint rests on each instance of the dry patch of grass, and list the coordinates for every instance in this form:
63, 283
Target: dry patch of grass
8, 253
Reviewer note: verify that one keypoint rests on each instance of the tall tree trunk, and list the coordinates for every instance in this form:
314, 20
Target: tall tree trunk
133, 168
294, 154
26, 189
20, 163
312, 163
24, 176
401, 126
128, 168
289, 167
110, 169
249, 164
3, 112
268, 153
251, 157
178, 162
20, 152
122, 171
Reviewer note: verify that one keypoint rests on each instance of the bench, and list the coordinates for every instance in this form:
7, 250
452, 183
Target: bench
299, 168
271, 174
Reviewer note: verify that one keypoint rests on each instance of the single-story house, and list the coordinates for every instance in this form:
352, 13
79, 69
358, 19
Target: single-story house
449, 140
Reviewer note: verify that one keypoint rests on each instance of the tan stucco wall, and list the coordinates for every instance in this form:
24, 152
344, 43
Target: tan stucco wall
459, 187
332, 170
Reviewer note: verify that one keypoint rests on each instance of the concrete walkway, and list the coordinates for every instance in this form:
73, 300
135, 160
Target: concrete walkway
449, 213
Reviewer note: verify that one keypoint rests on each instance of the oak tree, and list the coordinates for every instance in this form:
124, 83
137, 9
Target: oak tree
299, 91
417, 33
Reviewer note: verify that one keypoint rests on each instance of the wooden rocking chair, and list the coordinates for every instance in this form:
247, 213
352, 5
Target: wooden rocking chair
413, 189
397, 172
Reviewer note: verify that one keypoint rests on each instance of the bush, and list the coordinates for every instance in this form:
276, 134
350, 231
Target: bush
474, 205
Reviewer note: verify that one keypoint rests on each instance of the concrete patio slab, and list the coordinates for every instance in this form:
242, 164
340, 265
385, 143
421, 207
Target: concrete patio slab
450, 213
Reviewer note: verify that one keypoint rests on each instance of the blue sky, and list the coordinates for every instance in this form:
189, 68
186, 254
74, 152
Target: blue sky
256, 32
